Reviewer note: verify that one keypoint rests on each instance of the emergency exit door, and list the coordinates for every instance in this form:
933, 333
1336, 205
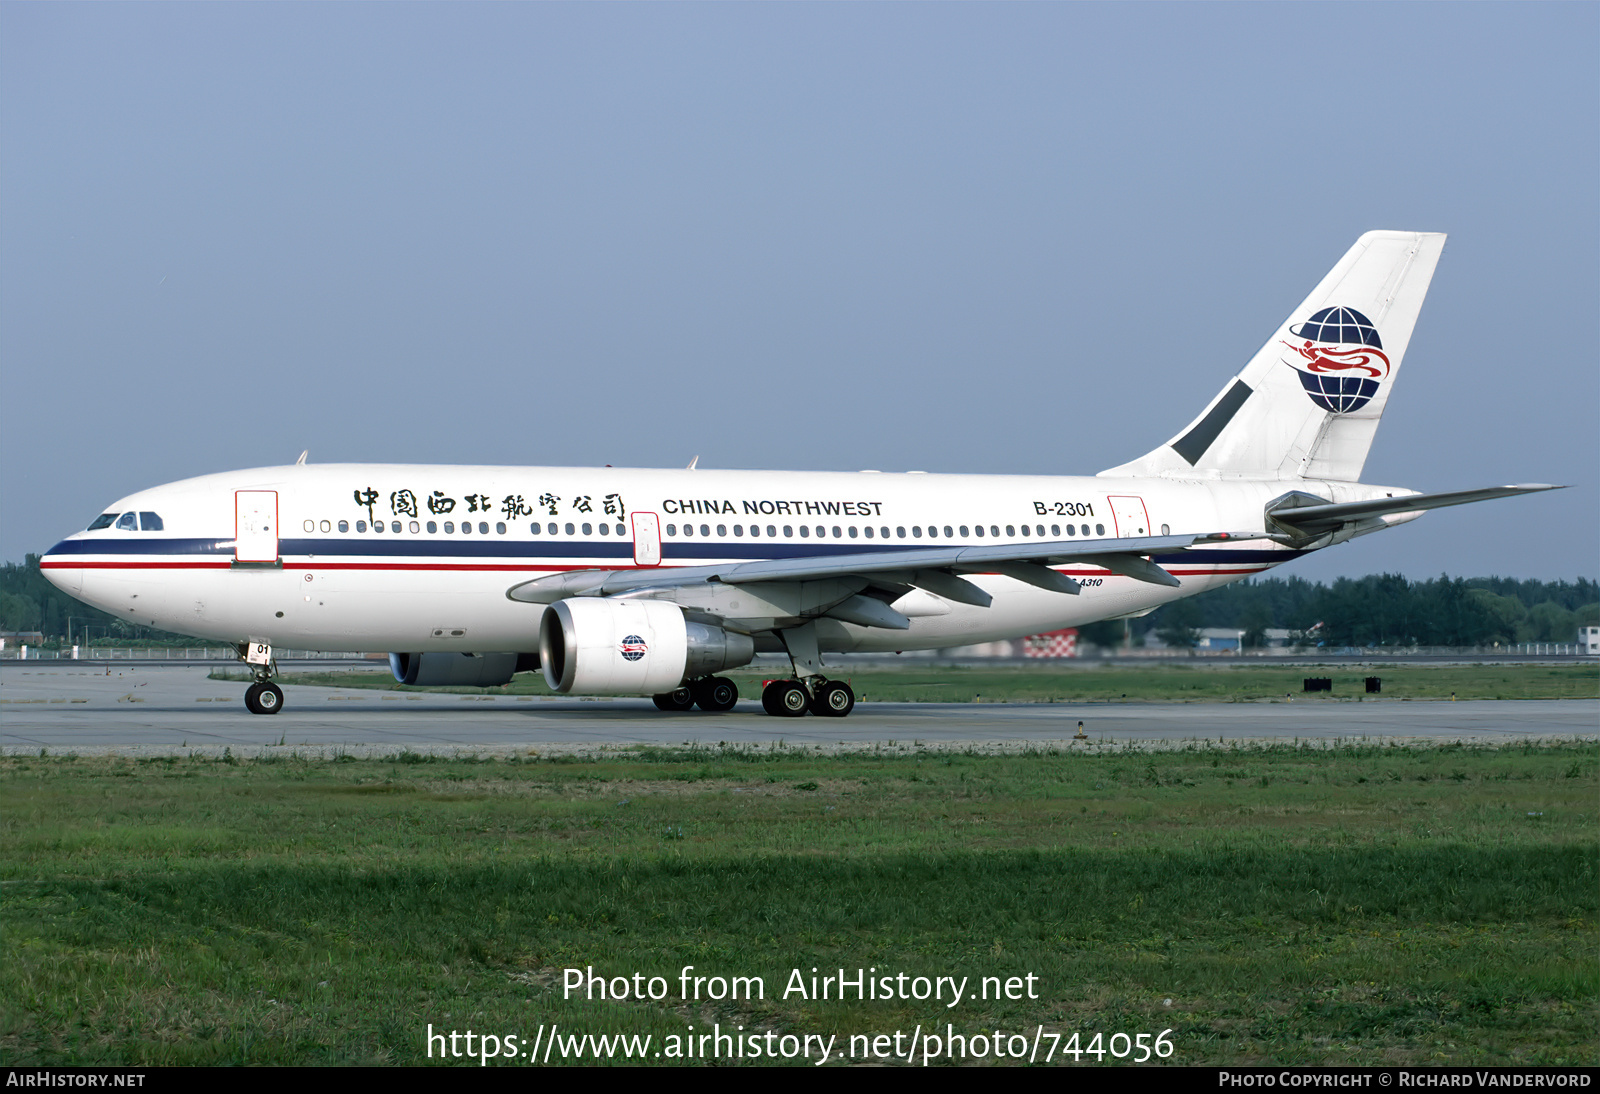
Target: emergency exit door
1131, 517
646, 539
255, 526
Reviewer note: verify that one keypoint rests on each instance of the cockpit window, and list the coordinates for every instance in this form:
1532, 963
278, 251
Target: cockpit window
102, 521
128, 523
149, 522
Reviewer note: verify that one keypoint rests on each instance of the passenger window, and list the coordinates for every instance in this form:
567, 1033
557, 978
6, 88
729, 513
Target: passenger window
1085, 529
344, 526
822, 533
571, 531
738, 531
1024, 529
994, 530
1099, 529
805, 531
1165, 530
534, 528
964, 532
310, 526
622, 530
326, 527
588, 529
722, 531
500, 528
1071, 531
772, 531
755, 530
551, 528
1055, 529
933, 531
414, 528
128, 523
449, 527
361, 526
605, 529
466, 527
852, 531
672, 529
433, 528
901, 532
788, 531
916, 531
104, 520
1041, 529
705, 529
394, 526
868, 530
688, 529
1010, 531
947, 532
978, 531
837, 533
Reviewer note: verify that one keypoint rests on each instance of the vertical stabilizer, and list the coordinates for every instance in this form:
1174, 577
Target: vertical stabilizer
1309, 401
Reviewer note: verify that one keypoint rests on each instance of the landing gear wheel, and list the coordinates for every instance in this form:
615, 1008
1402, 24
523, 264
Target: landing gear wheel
715, 694
785, 699
835, 699
263, 698
676, 699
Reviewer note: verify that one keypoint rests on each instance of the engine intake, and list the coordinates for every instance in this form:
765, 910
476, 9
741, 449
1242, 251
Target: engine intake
593, 646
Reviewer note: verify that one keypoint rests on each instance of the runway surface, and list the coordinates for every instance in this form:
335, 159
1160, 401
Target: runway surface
154, 709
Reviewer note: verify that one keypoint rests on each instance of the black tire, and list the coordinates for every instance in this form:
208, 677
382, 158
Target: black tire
785, 699
676, 699
835, 699
715, 694
250, 694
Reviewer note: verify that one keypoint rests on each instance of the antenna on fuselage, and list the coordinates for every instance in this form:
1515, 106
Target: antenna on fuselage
301, 462
692, 463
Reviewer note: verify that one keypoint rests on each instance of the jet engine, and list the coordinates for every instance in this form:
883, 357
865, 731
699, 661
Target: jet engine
474, 670
594, 646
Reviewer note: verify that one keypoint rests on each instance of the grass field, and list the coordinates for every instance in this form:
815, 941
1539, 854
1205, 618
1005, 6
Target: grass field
1279, 905
1095, 683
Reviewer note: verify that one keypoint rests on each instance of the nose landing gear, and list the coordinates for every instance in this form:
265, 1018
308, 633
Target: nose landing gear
263, 696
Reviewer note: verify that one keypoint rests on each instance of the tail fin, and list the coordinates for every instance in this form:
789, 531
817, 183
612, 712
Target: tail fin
1307, 405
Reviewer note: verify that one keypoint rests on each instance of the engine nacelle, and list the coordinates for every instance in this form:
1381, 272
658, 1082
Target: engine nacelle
474, 670
594, 646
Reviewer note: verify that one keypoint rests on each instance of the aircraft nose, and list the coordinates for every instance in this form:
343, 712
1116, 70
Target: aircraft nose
57, 568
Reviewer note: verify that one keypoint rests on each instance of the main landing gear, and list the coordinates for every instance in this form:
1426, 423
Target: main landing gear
809, 691
713, 694
814, 695
263, 696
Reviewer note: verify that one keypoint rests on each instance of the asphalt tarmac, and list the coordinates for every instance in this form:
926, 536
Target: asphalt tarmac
156, 709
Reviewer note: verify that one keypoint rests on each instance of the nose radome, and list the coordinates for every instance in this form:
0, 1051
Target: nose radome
69, 581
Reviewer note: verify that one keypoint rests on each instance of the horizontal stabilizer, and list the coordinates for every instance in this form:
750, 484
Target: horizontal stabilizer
1314, 518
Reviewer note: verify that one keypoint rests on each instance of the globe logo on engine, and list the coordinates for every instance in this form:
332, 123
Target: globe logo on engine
633, 648
1341, 359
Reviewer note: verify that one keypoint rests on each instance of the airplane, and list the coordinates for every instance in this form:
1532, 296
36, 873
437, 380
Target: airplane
652, 582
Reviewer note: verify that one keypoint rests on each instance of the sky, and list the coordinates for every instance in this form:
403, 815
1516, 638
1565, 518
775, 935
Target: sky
1024, 239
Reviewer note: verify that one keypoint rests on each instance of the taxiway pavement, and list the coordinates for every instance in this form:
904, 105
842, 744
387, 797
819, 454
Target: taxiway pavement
172, 709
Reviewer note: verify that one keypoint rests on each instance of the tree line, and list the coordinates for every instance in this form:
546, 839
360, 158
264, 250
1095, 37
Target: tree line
1376, 610
1383, 610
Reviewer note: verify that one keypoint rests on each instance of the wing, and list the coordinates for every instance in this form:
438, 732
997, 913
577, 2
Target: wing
833, 584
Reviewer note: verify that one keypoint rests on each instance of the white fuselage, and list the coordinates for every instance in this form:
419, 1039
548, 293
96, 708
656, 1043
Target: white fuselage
454, 539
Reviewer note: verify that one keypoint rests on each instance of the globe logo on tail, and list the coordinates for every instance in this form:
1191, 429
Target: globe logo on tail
1340, 359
